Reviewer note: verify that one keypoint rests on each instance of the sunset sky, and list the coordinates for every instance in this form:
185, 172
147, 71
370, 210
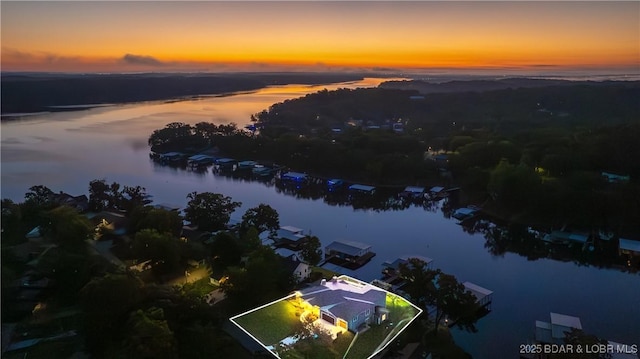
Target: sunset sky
229, 36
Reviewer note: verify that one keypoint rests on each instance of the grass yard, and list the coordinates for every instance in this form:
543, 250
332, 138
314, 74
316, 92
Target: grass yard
279, 320
273, 323
400, 314
201, 287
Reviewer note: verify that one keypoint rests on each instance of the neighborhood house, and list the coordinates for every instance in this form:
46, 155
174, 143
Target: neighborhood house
346, 303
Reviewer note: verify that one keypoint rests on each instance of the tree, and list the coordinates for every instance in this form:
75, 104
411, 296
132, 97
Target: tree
11, 223
264, 278
420, 281
451, 299
250, 240
72, 269
162, 249
39, 195
263, 218
311, 252
114, 196
133, 197
209, 211
225, 251
98, 195
515, 187
149, 336
68, 228
577, 337
106, 301
162, 220
171, 132
428, 287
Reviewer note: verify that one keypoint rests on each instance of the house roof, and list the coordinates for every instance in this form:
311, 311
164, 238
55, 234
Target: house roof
291, 263
344, 298
348, 247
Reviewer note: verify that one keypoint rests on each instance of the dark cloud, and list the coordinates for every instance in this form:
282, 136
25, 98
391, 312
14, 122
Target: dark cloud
141, 60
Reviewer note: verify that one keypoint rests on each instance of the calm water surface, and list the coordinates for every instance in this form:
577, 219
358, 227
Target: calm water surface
65, 151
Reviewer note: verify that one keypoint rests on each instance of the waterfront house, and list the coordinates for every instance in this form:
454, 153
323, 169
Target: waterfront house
79, 203
554, 332
298, 269
108, 223
346, 303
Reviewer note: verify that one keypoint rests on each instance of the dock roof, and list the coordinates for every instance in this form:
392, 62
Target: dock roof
629, 245
361, 187
348, 247
405, 259
479, 292
413, 189
560, 323
294, 175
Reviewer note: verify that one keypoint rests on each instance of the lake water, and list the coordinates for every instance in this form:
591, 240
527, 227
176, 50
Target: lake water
66, 150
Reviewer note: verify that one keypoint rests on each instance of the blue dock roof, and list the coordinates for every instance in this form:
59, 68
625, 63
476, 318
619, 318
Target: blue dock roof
361, 187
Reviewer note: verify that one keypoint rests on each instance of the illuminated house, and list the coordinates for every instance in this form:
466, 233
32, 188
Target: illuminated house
346, 303
342, 307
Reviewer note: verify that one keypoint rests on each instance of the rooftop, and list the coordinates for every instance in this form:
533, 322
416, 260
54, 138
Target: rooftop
361, 187
477, 290
348, 247
629, 245
413, 189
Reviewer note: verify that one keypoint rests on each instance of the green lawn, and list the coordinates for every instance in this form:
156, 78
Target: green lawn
201, 287
273, 323
280, 320
400, 314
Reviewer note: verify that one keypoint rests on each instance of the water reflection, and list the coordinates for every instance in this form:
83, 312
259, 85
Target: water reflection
500, 238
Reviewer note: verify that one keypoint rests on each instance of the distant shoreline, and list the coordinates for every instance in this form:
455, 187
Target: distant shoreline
24, 94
